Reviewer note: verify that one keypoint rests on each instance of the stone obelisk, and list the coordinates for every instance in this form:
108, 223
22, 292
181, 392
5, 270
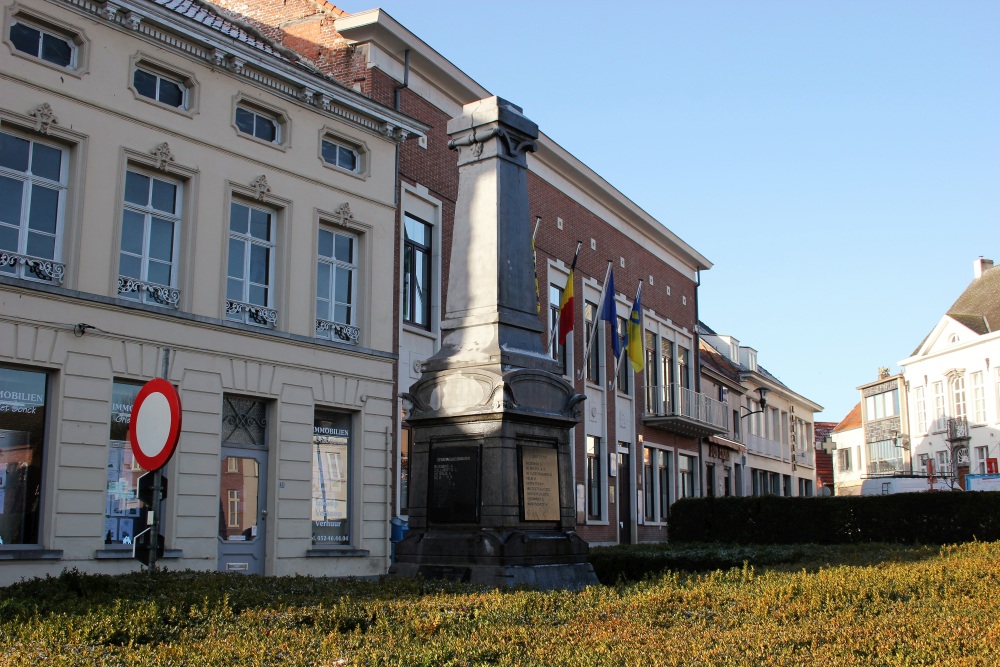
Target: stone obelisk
491, 483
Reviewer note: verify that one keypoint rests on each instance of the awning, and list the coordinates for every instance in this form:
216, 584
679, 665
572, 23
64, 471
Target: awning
727, 443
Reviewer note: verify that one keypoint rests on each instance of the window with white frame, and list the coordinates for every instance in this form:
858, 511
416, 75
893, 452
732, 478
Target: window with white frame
417, 249
981, 454
595, 477
921, 403
939, 415
687, 485
258, 123
48, 44
341, 154
624, 368
978, 398
657, 484
160, 87
593, 360
884, 457
33, 177
844, 460
336, 286
151, 222
882, 405
958, 397
944, 462
556, 351
250, 273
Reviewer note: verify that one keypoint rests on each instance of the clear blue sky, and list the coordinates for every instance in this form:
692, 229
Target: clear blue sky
838, 161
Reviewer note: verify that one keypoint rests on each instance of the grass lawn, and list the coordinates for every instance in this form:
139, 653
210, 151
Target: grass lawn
829, 606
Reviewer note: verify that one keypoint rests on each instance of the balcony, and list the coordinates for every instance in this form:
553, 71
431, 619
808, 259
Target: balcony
33, 268
337, 331
758, 444
683, 411
138, 290
958, 429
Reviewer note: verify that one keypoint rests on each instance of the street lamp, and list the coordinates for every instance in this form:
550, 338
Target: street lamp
763, 403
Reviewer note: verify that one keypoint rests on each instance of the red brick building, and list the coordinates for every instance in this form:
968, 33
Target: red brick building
637, 448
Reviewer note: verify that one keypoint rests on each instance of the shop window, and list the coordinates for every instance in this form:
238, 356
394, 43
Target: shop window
331, 479
22, 444
121, 516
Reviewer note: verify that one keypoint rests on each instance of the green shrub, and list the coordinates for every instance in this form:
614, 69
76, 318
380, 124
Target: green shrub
906, 518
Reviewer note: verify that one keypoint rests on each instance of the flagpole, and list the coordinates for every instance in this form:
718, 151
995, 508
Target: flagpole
593, 334
624, 349
555, 326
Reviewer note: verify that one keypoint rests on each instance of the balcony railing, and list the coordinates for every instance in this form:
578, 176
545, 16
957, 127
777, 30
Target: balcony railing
885, 466
251, 314
958, 429
682, 410
805, 457
758, 444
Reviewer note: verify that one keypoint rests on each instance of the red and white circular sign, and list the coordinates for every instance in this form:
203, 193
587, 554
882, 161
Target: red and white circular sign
156, 424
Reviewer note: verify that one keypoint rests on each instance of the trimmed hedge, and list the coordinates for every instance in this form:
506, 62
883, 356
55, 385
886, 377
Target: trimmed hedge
906, 518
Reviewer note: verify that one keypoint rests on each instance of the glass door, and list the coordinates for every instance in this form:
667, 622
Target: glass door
242, 510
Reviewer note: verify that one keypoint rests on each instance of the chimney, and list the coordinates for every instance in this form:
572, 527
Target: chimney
981, 266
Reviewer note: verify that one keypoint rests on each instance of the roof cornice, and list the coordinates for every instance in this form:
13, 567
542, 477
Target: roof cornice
376, 27
267, 68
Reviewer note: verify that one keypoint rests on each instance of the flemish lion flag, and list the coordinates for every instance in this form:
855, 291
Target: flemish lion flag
566, 308
636, 355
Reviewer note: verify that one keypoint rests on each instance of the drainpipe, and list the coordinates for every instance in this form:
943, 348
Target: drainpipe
697, 383
406, 78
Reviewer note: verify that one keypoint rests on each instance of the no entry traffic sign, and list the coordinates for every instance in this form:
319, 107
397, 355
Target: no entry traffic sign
156, 424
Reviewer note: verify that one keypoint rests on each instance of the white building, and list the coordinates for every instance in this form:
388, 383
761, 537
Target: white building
849, 461
953, 380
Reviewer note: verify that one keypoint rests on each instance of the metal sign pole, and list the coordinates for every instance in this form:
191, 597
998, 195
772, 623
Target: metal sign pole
154, 540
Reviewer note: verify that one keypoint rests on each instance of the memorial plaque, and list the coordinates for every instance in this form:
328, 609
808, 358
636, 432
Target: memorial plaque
453, 490
540, 484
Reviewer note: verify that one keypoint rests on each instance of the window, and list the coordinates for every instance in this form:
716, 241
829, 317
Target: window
884, 457
978, 398
666, 374
331, 479
944, 463
843, 460
665, 479
257, 124
685, 469
649, 492
250, 281
336, 286
622, 363
805, 487
405, 438
939, 406
654, 386
556, 351
43, 43
958, 397
416, 272
32, 206
150, 230
595, 479
918, 396
981, 454
233, 508
163, 89
710, 480
121, 518
339, 154
684, 366
22, 441
882, 405
593, 356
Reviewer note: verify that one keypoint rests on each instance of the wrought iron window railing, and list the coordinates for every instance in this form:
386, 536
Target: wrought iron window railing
38, 267
161, 295
337, 331
251, 314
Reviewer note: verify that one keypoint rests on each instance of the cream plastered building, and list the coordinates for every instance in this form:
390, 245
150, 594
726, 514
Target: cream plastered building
179, 197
